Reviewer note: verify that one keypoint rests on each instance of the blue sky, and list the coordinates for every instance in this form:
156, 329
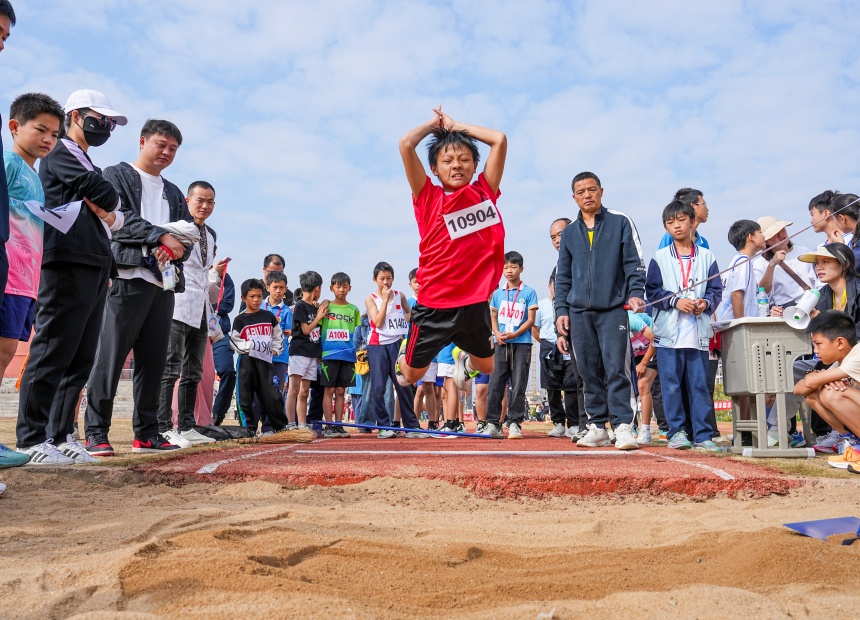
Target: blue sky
293, 110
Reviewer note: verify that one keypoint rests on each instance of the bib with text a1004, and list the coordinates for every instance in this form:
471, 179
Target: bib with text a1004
512, 313
471, 219
337, 335
261, 346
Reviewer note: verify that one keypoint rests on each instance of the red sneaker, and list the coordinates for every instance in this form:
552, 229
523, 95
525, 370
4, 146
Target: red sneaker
159, 443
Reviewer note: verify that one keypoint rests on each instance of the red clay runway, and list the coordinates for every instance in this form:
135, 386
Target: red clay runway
535, 466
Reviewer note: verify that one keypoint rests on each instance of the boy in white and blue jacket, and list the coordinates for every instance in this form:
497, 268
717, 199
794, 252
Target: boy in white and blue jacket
683, 301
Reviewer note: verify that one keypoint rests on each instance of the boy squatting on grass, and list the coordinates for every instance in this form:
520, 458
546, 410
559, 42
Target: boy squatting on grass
461, 253
256, 338
835, 393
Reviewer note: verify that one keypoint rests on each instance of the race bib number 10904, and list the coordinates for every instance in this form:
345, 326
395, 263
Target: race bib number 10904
472, 219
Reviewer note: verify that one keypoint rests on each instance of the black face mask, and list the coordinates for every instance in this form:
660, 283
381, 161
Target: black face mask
93, 133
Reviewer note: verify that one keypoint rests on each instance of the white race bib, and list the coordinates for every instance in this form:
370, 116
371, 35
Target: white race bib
472, 219
261, 346
337, 335
315, 334
512, 315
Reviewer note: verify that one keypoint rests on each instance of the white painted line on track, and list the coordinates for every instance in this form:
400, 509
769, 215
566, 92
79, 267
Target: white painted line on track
477, 452
211, 468
719, 472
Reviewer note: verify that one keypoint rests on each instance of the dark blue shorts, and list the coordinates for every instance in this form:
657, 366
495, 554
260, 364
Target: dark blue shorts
440, 381
482, 379
16, 317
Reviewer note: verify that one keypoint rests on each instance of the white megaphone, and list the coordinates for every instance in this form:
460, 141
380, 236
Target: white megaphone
798, 316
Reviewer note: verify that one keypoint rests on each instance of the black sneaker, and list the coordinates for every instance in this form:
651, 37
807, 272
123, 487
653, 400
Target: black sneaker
98, 445
482, 425
159, 443
432, 425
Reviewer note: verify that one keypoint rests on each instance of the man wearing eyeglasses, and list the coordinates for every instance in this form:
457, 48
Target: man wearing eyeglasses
76, 267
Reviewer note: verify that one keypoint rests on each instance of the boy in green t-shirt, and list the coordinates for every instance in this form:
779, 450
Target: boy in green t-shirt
337, 366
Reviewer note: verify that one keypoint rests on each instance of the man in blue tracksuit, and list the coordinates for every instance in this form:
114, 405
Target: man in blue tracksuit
600, 269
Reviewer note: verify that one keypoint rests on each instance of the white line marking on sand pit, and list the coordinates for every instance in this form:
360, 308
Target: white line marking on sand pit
718, 472
476, 452
211, 468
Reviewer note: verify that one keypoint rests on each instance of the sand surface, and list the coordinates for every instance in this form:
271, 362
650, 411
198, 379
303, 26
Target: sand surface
90, 542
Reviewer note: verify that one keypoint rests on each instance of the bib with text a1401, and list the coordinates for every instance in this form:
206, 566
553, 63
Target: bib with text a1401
261, 346
471, 219
512, 314
337, 335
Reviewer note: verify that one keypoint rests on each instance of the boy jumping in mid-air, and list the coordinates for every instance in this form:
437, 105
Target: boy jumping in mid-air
461, 248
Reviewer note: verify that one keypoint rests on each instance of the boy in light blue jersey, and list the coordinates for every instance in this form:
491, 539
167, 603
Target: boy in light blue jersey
513, 310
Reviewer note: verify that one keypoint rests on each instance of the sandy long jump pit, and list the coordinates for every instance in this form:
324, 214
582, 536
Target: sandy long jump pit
366, 528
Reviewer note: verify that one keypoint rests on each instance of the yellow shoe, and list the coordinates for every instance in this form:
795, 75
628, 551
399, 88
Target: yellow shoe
841, 461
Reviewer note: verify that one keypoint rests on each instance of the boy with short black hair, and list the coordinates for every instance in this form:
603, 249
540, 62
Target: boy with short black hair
684, 289
305, 346
389, 314
274, 302
513, 311
740, 284
337, 366
461, 248
34, 121
257, 338
835, 392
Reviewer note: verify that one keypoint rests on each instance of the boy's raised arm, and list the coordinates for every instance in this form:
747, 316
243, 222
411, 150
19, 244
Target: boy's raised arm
415, 173
496, 140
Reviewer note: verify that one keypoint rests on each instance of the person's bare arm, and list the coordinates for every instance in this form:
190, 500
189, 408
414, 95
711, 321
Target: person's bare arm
738, 304
415, 173
496, 140
307, 328
536, 332
818, 379
494, 317
405, 305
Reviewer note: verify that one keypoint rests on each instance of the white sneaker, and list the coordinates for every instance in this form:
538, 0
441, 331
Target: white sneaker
570, 432
644, 436
827, 443
611, 433
596, 437
624, 438
514, 431
772, 438
176, 439
194, 438
412, 434
492, 430
46, 454
462, 378
557, 431
76, 451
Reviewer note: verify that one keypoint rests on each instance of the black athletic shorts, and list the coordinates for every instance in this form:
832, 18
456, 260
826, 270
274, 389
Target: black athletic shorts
337, 373
431, 330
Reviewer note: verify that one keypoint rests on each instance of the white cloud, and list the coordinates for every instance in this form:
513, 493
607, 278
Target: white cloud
293, 110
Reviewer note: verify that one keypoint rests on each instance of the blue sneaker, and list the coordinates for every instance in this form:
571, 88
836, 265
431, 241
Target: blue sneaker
707, 446
679, 441
797, 440
11, 458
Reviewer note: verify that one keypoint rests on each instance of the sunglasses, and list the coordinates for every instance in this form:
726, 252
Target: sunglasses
103, 121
